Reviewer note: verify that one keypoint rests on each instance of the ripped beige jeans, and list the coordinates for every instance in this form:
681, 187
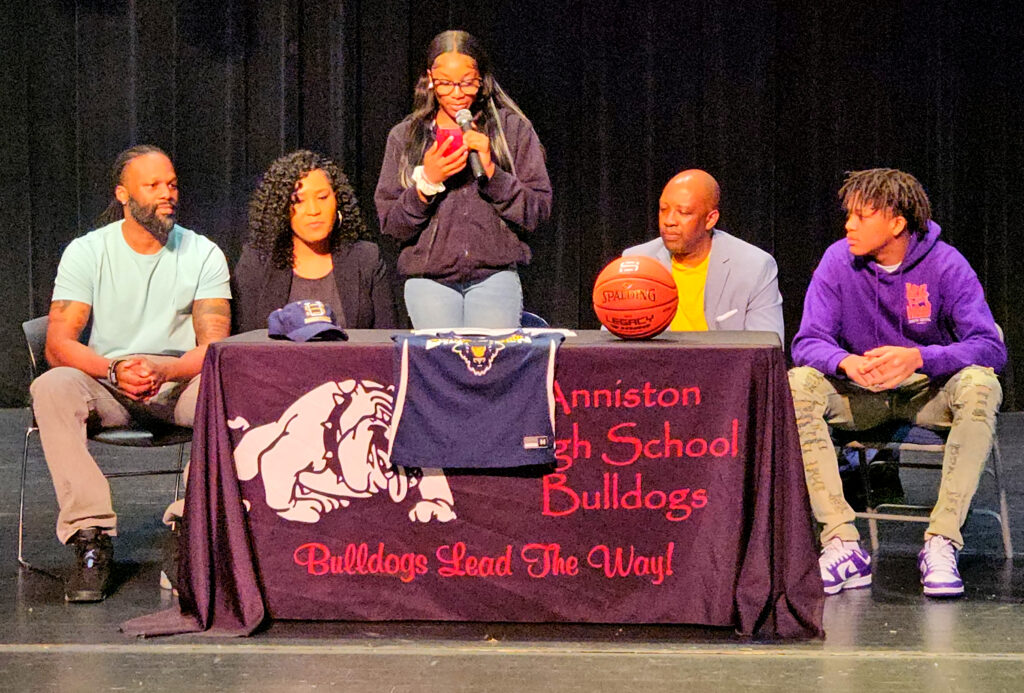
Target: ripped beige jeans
965, 405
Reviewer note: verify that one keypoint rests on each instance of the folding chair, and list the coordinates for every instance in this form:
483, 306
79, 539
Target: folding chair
904, 438
135, 436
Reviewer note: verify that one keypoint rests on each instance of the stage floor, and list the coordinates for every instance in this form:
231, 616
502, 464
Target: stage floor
889, 637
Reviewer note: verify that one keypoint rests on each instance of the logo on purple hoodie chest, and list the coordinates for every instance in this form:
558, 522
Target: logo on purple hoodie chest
919, 308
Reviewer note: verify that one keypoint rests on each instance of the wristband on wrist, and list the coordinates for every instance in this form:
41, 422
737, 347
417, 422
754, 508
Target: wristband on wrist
426, 187
112, 371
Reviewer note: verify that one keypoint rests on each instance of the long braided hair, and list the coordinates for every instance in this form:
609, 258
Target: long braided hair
485, 107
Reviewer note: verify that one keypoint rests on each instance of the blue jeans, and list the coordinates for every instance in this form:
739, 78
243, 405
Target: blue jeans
496, 301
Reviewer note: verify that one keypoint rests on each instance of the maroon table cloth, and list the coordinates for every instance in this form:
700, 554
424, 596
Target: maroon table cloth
676, 496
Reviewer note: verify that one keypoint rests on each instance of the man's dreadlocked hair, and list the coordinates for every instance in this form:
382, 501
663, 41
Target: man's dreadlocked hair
115, 210
897, 192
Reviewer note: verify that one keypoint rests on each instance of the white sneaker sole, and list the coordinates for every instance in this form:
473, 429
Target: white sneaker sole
850, 584
943, 591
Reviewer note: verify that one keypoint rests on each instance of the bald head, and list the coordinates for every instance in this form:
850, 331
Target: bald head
701, 184
687, 213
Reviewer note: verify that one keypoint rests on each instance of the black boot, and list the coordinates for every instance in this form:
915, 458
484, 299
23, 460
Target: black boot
89, 580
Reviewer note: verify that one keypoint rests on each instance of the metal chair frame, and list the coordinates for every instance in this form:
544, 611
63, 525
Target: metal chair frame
124, 436
902, 512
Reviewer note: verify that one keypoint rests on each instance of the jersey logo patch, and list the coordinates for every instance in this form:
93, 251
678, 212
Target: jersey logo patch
478, 355
919, 308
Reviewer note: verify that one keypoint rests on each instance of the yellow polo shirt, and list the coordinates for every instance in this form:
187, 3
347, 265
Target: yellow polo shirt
690, 283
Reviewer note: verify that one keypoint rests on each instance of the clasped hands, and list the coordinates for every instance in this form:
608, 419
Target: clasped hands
882, 368
139, 378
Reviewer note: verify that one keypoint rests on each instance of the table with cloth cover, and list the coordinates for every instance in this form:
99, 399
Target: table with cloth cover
676, 495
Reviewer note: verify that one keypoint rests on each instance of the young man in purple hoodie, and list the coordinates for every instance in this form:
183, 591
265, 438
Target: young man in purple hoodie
895, 327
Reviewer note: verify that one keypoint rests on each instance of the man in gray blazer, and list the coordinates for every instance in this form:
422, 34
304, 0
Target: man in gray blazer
724, 283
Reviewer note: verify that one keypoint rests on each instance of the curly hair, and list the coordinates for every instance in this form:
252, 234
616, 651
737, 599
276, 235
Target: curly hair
270, 229
890, 189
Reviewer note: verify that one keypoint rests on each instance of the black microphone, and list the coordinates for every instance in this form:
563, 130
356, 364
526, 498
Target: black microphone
464, 119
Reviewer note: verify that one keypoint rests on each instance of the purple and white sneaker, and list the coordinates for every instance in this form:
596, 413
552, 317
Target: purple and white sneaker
937, 563
844, 566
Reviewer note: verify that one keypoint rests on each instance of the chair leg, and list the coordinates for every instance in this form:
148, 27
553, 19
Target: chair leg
21, 511
181, 468
21, 500
873, 532
1004, 507
863, 468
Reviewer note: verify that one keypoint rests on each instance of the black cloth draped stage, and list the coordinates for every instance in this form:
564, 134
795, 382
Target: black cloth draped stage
777, 100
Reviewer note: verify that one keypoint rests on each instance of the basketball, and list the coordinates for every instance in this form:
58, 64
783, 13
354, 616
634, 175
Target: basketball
635, 297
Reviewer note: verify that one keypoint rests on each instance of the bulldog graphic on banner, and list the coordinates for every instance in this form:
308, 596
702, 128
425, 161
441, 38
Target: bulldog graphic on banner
330, 447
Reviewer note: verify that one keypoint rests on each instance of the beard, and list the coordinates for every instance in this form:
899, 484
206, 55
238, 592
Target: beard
158, 225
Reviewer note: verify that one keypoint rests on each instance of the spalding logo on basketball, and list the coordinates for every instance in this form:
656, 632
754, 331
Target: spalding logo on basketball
635, 297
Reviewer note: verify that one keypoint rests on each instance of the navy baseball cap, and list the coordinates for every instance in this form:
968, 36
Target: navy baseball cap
305, 321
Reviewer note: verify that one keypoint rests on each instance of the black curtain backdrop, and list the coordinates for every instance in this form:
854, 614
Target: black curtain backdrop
776, 99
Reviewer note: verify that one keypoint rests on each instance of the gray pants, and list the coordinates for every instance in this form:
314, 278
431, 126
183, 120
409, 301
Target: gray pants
67, 403
965, 405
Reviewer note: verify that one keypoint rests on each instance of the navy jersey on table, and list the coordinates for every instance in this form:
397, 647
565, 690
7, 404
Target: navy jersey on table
473, 401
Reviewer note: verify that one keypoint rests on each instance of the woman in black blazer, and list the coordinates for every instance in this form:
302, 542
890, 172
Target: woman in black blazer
304, 243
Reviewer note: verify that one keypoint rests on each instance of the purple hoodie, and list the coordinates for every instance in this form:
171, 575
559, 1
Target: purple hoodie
934, 301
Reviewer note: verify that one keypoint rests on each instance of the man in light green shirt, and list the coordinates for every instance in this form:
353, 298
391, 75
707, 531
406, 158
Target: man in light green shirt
156, 294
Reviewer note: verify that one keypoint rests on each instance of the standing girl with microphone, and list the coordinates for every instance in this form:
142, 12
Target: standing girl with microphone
462, 236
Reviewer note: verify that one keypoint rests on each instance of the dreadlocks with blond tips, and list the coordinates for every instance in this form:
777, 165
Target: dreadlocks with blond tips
890, 189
